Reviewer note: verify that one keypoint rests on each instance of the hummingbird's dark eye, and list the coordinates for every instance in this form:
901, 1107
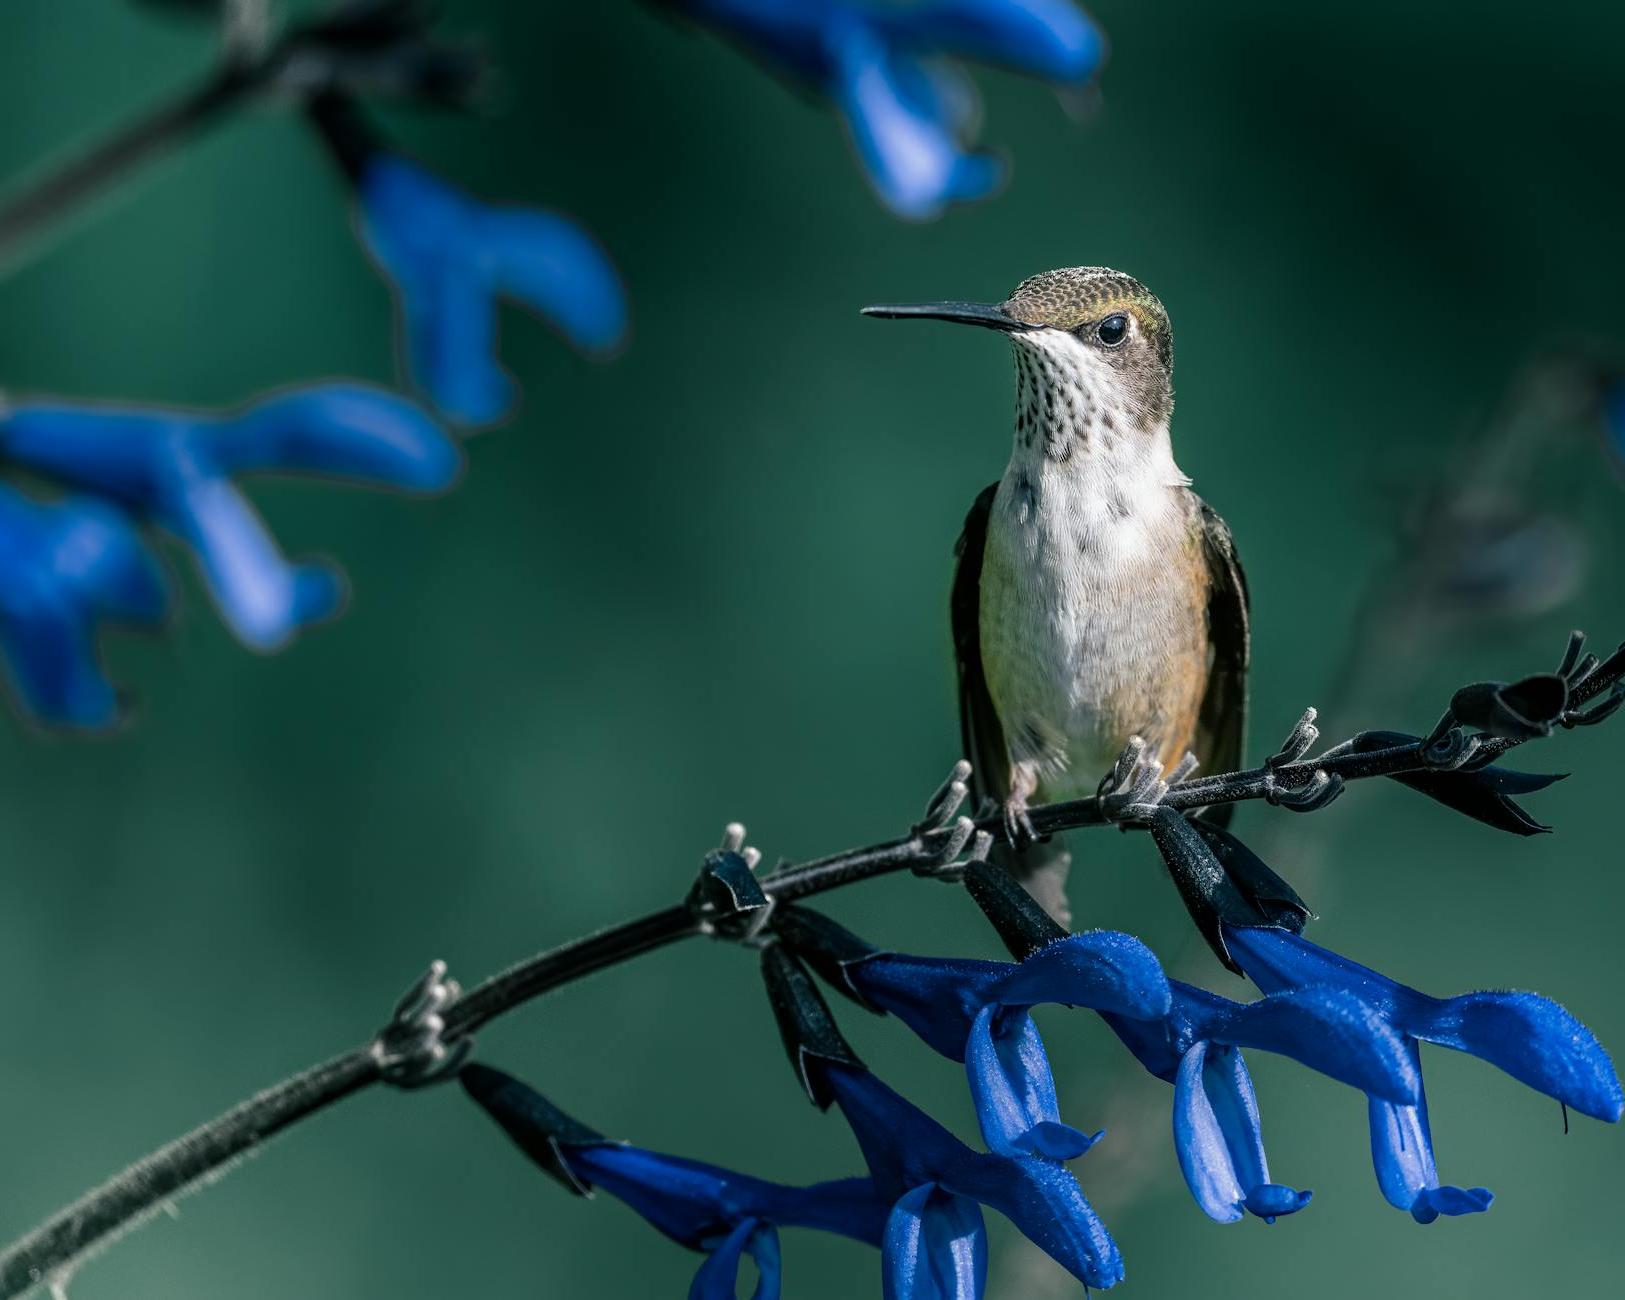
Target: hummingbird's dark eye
1113, 330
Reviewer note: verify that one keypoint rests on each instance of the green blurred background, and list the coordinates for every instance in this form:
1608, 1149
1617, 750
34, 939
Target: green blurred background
707, 581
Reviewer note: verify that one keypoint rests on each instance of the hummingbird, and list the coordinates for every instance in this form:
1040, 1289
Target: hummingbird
1096, 597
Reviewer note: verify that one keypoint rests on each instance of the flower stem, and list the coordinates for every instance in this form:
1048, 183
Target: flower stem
50, 1251
58, 192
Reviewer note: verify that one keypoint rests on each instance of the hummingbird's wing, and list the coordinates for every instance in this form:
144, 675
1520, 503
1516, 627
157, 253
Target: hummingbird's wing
1042, 867
1221, 726
980, 733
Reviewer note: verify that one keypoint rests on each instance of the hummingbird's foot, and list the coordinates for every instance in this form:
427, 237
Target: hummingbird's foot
1018, 826
411, 1050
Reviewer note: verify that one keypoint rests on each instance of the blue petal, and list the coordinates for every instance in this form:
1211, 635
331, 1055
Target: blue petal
1530, 1037
1102, 969
1402, 1154
1329, 1030
351, 431
696, 1203
905, 1148
1044, 1201
64, 568
913, 159
935, 1247
1219, 1141
938, 998
1052, 39
554, 267
1014, 1091
718, 1277
172, 466
450, 256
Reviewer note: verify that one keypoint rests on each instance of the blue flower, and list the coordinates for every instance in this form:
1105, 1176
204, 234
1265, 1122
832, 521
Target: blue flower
977, 1012
176, 467
66, 567
1532, 1038
724, 1214
1217, 1133
935, 1242
885, 67
450, 257
1614, 421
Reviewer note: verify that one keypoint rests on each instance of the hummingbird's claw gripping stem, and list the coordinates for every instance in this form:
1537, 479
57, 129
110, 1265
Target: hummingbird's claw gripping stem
410, 1050
1018, 826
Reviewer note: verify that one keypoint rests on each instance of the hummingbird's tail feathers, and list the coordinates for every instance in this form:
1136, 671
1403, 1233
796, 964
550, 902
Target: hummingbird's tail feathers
1042, 870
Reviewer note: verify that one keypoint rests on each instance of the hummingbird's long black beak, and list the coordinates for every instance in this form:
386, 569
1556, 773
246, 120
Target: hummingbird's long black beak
987, 315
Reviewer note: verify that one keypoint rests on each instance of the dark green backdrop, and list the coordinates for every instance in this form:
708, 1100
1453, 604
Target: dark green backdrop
707, 581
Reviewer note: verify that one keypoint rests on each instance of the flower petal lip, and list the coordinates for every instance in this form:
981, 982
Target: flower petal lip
905, 1148
935, 1247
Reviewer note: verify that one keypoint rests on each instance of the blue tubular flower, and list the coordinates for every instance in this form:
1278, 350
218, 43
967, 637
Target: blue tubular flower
977, 1012
450, 258
910, 112
1217, 1131
724, 1214
1532, 1038
935, 1242
64, 568
176, 467
935, 1184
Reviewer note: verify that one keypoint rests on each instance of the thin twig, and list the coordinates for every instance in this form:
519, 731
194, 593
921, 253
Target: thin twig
51, 1250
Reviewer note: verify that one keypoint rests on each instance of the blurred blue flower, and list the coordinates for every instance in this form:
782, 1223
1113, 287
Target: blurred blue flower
977, 1012
64, 568
886, 67
935, 1242
1217, 1133
1614, 421
450, 257
1532, 1038
176, 467
724, 1214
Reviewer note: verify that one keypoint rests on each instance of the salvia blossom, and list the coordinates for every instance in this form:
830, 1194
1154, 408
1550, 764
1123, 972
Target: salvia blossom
909, 111
935, 1243
65, 568
724, 1214
1217, 1133
451, 258
175, 469
1531, 1037
920, 1203
976, 1012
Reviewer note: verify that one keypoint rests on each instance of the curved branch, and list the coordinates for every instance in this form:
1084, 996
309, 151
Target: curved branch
51, 1250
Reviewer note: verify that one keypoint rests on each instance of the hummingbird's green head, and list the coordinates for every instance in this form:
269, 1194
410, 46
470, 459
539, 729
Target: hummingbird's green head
1094, 354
